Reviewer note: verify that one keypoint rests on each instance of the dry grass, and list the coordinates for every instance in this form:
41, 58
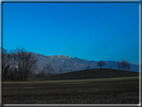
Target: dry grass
92, 74
124, 90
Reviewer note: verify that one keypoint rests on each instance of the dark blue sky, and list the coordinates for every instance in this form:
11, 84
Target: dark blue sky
92, 31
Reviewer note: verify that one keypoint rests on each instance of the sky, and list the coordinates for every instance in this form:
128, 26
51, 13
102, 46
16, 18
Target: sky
91, 31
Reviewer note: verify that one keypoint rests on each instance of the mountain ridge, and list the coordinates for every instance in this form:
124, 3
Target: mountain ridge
67, 63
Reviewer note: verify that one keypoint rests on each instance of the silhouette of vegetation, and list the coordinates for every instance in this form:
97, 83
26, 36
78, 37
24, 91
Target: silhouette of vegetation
125, 65
17, 64
50, 70
42, 73
101, 63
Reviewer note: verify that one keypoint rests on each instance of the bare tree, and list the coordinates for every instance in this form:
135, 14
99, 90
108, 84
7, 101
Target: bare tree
6, 73
5, 59
5, 64
22, 63
13, 65
42, 73
101, 63
49, 69
124, 65
17, 64
129, 67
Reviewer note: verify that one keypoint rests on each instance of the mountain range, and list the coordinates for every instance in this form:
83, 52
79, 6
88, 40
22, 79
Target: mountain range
68, 64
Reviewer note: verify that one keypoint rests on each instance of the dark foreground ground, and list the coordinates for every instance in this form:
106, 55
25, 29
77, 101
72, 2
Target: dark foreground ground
92, 74
122, 90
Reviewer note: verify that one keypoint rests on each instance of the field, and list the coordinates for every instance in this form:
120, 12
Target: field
92, 74
118, 90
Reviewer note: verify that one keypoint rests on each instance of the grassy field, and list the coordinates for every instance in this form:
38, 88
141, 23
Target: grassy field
121, 90
92, 74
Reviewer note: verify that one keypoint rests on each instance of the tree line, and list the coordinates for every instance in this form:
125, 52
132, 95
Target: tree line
123, 65
47, 70
17, 64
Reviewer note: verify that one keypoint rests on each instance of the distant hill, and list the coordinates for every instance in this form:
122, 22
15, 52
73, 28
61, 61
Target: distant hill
66, 63
92, 74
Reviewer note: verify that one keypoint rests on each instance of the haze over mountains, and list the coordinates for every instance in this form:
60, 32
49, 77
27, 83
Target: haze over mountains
67, 63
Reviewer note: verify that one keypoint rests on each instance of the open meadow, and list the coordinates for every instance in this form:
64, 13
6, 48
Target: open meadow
70, 52
121, 90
